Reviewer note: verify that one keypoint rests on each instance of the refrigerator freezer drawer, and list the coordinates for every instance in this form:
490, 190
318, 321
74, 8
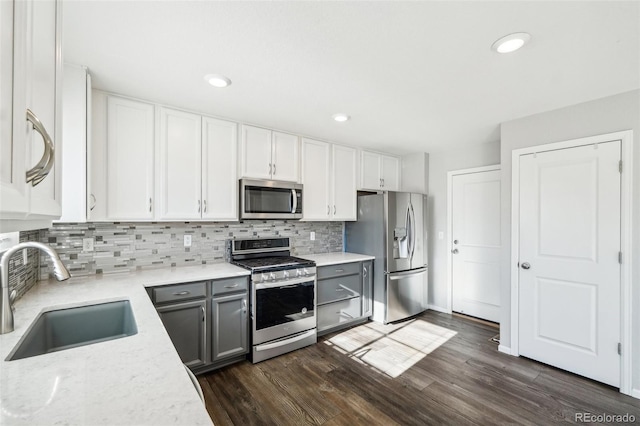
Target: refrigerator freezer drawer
405, 294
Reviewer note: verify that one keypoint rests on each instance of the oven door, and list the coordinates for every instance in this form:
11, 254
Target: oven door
283, 308
270, 200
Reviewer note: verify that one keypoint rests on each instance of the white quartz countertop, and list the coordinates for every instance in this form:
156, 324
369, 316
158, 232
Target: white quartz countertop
336, 258
135, 380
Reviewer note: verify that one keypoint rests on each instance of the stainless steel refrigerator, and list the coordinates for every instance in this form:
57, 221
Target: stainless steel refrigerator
392, 227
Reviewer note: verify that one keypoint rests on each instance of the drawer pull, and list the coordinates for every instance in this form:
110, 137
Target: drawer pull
182, 293
231, 286
339, 270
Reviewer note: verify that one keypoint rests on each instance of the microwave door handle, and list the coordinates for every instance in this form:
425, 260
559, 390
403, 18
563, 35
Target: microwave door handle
294, 202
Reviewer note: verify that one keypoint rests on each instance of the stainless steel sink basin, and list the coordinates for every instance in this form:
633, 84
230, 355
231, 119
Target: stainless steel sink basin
72, 327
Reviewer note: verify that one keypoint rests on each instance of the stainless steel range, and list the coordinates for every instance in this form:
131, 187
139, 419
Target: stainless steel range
283, 296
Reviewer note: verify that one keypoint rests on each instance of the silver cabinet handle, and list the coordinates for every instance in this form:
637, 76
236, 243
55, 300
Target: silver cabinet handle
328, 209
231, 286
380, 183
40, 171
182, 293
204, 315
93, 197
364, 271
270, 169
339, 270
526, 265
454, 251
334, 209
198, 206
274, 168
150, 204
205, 206
383, 183
244, 306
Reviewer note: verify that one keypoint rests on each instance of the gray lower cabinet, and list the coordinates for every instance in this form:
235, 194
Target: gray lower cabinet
344, 295
207, 321
186, 324
230, 330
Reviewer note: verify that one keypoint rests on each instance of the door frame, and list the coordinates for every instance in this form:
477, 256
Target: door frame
626, 205
450, 175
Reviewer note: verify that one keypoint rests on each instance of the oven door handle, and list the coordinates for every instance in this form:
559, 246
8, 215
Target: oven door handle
285, 341
285, 283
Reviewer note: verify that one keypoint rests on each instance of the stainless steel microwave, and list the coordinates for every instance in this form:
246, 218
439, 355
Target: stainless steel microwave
269, 199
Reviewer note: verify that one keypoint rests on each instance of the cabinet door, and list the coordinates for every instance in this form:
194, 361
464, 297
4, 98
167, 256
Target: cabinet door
315, 178
13, 190
255, 153
344, 183
390, 173
367, 288
370, 171
285, 157
230, 326
44, 100
130, 156
186, 325
219, 176
179, 174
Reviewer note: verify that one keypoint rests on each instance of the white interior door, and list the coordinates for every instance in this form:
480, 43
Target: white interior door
569, 279
476, 244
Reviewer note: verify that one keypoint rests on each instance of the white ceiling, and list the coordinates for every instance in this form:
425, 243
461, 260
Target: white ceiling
414, 76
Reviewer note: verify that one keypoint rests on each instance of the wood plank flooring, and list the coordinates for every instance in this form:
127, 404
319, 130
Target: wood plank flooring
434, 369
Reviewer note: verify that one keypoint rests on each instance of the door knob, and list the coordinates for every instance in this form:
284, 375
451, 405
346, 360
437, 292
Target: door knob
526, 265
454, 251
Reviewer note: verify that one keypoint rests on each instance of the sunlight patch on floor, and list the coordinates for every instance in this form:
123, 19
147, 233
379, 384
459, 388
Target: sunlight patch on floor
391, 349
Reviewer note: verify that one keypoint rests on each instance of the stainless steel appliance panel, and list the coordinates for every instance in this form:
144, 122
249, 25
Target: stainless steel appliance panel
398, 225
405, 294
265, 199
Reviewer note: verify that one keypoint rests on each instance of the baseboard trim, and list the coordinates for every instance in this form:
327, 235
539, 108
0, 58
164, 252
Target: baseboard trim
635, 393
504, 349
439, 309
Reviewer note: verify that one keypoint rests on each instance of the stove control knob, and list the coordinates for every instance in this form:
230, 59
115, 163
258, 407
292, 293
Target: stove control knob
272, 276
306, 273
298, 273
264, 277
285, 274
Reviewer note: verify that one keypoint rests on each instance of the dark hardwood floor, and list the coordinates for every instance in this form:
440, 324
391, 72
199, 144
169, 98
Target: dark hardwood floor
434, 369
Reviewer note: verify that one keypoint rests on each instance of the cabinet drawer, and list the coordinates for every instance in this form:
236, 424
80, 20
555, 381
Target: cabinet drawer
178, 292
337, 270
229, 285
339, 288
339, 312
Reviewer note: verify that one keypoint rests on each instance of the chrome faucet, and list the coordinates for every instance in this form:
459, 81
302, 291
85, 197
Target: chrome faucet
59, 271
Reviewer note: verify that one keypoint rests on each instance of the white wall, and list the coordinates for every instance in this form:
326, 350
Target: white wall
439, 164
606, 115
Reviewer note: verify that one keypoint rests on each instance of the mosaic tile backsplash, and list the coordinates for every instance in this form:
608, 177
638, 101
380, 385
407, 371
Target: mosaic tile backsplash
131, 246
23, 276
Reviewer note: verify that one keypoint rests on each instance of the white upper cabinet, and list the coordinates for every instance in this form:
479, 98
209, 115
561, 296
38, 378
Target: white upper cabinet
219, 176
379, 172
315, 179
344, 183
129, 174
329, 179
76, 101
30, 80
285, 157
266, 154
179, 170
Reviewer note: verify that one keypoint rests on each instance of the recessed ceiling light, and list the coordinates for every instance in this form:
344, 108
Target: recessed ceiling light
511, 43
341, 118
217, 80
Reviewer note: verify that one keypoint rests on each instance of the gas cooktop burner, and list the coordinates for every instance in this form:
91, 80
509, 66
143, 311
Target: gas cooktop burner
273, 263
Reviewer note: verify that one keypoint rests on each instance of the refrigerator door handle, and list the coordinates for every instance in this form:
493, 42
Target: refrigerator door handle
399, 275
408, 226
413, 231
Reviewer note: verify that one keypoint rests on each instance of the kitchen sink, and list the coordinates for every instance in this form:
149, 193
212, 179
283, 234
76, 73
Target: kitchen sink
69, 328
